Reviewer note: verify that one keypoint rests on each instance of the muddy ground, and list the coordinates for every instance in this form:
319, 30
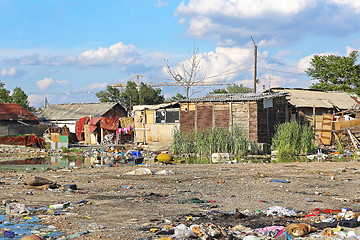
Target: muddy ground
128, 206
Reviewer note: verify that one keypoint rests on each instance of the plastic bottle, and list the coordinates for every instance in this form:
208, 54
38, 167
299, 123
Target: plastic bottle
59, 206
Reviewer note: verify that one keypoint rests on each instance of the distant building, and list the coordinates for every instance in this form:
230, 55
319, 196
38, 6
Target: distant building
16, 120
68, 114
308, 100
60, 115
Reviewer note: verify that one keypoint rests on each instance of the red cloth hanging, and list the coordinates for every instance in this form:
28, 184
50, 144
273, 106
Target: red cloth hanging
79, 127
92, 124
111, 124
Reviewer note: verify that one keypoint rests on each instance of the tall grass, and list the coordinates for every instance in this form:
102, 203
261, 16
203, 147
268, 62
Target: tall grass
208, 141
292, 138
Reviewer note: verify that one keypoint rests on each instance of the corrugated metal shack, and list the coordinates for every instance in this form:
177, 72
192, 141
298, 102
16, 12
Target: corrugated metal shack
332, 111
306, 100
257, 113
16, 120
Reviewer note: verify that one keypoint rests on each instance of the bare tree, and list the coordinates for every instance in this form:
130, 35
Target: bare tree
187, 73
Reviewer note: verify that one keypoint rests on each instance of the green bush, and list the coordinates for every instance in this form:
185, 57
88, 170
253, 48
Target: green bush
65, 149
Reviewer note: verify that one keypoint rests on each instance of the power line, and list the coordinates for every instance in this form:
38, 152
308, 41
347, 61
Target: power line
275, 70
64, 93
224, 74
156, 77
269, 60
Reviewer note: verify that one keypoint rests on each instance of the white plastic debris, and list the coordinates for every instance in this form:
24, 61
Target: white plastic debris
164, 172
280, 211
182, 231
140, 171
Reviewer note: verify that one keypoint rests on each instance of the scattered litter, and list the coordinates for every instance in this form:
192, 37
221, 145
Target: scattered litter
279, 181
140, 171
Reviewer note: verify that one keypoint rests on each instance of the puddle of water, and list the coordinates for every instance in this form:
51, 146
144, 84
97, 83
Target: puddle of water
57, 162
20, 227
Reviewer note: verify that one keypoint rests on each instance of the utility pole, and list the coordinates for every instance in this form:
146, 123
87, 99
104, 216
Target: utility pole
269, 81
255, 63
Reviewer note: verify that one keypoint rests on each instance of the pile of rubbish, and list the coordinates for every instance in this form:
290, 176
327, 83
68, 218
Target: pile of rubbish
18, 220
276, 222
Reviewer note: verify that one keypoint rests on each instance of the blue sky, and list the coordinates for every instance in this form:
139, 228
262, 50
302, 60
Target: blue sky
66, 50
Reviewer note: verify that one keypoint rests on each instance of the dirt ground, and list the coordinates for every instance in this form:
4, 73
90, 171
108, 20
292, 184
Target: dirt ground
126, 207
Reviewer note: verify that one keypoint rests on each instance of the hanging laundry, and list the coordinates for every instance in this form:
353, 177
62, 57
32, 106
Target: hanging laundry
92, 124
111, 124
79, 126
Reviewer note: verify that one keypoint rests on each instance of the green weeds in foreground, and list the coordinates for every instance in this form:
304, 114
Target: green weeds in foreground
208, 141
292, 139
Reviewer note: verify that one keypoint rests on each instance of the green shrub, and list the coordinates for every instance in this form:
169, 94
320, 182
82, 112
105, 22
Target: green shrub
65, 149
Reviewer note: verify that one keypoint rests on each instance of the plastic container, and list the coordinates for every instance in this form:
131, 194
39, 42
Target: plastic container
9, 234
59, 206
136, 153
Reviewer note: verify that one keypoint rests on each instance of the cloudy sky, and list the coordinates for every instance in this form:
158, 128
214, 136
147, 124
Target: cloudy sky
66, 50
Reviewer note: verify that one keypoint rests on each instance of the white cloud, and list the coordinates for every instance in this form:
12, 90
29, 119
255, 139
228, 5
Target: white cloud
266, 43
158, 55
354, 4
96, 86
161, 3
12, 71
243, 8
45, 83
36, 100
304, 63
64, 82
272, 81
226, 43
118, 53
350, 49
275, 21
225, 63
283, 53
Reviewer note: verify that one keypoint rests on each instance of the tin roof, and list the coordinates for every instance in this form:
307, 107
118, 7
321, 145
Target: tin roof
155, 107
236, 97
13, 111
75, 111
321, 99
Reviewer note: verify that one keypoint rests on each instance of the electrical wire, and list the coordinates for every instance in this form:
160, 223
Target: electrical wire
281, 63
219, 75
275, 70
64, 93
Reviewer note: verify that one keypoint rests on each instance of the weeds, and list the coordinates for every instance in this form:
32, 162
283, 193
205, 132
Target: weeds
210, 141
291, 139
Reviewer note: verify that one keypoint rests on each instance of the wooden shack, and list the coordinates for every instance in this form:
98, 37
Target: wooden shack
156, 123
256, 113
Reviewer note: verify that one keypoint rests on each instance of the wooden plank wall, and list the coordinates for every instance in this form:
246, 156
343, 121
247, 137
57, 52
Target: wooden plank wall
221, 116
240, 112
187, 117
210, 115
268, 118
253, 122
204, 115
